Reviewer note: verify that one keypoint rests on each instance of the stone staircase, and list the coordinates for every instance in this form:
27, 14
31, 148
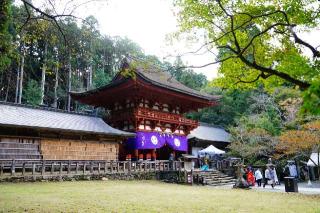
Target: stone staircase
215, 178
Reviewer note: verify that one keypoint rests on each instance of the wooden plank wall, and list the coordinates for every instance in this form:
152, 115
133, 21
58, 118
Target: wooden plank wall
67, 149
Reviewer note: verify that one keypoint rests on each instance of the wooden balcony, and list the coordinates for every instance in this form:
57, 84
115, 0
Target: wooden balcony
163, 116
152, 115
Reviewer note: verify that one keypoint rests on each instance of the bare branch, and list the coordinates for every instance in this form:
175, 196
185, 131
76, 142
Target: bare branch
315, 52
208, 64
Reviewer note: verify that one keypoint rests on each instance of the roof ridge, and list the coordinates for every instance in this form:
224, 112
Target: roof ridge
211, 125
50, 109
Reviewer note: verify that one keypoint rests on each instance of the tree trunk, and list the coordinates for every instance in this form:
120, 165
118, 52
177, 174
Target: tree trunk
56, 84
43, 77
17, 85
89, 82
21, 74
69, 82
8, 87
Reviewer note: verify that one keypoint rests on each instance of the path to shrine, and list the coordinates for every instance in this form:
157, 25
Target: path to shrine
145, 196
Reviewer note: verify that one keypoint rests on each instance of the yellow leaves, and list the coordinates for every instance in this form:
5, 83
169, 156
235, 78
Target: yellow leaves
293, 141
313, 126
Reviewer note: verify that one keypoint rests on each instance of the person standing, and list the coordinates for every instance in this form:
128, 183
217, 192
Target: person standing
266, 177
258, 177
250, 176
273, 176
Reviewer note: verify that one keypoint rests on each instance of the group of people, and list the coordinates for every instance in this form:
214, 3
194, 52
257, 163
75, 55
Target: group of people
255, 176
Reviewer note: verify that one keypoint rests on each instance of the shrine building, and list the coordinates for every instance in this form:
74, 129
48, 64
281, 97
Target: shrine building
36, 133
151, 103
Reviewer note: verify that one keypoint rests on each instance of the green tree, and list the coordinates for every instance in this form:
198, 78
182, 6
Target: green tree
258, 41
32, 93
5, 37
232, 105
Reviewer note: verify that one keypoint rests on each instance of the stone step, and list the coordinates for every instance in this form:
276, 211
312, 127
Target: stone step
221, 184
225, 178
220, 181
216, 178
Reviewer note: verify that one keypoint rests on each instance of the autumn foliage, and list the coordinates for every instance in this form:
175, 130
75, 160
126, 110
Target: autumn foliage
302, 141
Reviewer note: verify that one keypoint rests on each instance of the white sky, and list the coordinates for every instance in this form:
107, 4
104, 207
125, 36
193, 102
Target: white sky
146, 22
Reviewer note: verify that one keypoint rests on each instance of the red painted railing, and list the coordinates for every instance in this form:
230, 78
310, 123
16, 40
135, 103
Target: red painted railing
154, 115
163, 116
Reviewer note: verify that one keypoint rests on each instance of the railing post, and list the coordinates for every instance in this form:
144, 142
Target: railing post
129, 166
105, 167
111, 166
135, 167
61, 167
13, 167
145, 166
77, 167
33, 169
140, 166
69, 167
23, 168
118, 166
99, 168
84, 167
1, 169
52, 167
43, 168
91, 167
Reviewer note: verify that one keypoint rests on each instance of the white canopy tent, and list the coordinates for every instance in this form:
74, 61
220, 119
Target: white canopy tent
314, 157
211, 150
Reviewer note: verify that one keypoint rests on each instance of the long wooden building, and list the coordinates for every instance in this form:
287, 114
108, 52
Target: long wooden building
37, 133
151, 103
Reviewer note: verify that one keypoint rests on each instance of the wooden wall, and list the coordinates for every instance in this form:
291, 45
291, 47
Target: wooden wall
68, 149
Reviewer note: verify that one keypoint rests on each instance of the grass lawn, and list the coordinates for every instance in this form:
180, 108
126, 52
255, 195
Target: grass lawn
145, 196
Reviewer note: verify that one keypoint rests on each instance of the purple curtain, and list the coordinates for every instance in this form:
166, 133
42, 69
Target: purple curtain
155, 140
177, 142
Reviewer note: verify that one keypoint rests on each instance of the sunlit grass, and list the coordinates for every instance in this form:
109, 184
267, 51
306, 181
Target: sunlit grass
145, 196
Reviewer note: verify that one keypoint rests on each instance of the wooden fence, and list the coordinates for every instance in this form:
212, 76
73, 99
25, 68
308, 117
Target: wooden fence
47, 168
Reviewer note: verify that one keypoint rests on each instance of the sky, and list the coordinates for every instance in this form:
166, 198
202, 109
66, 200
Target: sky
147, 22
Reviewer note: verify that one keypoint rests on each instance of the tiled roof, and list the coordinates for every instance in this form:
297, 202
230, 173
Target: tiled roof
164, 79
37, 118
209, 133
154, 76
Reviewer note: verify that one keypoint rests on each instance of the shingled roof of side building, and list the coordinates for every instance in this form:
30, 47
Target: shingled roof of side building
13, 115
207, 132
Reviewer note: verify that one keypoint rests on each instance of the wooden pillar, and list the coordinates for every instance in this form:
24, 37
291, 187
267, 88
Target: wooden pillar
136, 154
